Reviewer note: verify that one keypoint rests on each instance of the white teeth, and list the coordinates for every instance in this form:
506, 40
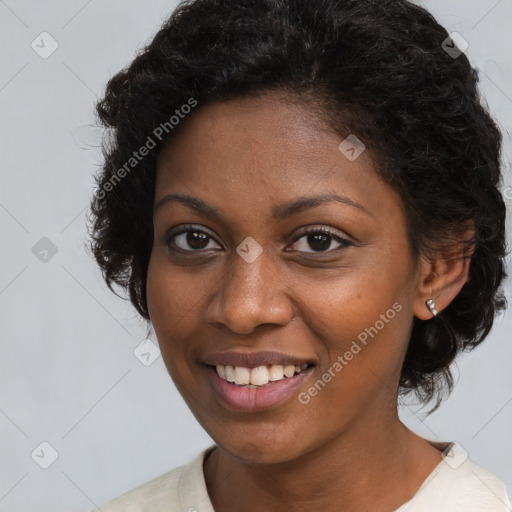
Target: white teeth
259, 376
230, 373
242, 375
289, 370
276, 372
221, 371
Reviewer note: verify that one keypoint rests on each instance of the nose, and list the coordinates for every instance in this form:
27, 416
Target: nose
250, 294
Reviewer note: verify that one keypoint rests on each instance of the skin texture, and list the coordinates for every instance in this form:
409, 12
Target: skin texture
346, 449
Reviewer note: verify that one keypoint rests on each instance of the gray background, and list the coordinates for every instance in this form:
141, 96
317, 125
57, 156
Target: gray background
68, 371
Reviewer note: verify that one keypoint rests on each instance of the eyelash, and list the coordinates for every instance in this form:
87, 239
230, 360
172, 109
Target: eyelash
322, 230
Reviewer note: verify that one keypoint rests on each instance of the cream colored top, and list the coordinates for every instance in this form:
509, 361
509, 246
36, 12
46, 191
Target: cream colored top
455, 485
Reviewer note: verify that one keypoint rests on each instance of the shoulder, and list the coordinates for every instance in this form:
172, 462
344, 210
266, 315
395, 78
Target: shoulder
172, 489
459, 485
149, 495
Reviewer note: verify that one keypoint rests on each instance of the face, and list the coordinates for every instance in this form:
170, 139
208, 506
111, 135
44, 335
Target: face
243, 278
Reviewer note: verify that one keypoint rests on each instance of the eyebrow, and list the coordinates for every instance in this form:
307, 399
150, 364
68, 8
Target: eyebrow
279, 212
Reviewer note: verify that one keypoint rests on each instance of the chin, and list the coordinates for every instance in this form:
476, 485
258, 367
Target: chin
267, 451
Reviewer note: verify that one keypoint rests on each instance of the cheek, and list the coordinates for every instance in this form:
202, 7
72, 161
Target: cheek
362, 326
362, 361
350, 325
173, 298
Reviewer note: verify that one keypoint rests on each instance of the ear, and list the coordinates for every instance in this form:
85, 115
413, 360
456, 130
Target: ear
441, 277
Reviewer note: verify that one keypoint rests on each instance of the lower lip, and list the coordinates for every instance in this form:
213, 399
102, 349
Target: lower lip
257, 398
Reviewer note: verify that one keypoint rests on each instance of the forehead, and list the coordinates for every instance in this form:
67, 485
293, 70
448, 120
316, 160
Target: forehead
258, 129
264, 150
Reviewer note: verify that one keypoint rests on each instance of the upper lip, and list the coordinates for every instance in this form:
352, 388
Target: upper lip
254, 359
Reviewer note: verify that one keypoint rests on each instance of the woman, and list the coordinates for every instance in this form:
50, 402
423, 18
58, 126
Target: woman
302, 199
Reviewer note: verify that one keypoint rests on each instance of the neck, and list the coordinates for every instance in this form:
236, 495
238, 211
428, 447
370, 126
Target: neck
377, 465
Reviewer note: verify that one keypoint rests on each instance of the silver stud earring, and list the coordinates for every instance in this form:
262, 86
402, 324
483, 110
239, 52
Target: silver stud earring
432, 306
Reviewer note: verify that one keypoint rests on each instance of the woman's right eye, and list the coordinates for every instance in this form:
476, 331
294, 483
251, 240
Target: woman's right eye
189, 239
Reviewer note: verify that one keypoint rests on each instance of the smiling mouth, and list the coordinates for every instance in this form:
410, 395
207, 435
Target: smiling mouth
259, 376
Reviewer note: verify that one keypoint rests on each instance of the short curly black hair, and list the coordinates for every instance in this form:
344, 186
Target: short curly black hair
379, 69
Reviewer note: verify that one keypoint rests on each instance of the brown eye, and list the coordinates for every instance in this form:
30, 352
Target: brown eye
189, 239
320, 240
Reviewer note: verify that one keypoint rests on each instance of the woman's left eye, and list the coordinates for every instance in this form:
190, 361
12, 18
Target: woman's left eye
320, 240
